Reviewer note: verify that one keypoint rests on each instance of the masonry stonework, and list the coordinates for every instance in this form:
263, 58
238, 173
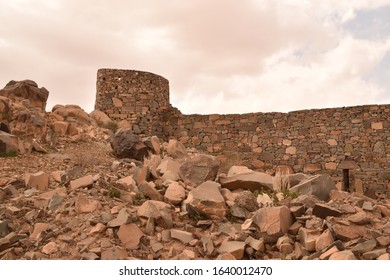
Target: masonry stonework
310, 141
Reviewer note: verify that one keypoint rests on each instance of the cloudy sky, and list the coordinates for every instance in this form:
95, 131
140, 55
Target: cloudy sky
220, 56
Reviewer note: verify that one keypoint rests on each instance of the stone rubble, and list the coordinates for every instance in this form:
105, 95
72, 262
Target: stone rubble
84, 198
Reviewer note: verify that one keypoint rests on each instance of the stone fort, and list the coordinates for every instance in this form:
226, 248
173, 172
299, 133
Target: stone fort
309, 141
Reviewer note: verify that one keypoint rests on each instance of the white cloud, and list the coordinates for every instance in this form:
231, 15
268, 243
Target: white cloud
219, 56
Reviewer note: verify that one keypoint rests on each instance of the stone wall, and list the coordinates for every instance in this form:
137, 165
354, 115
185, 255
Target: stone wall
310, 141
130, 95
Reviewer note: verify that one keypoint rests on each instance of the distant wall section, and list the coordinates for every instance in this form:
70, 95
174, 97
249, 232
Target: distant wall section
310, 141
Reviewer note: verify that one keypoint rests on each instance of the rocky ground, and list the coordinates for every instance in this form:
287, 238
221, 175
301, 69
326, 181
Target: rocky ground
71, 189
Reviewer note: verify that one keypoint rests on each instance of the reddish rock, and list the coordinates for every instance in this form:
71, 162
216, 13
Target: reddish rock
198, 169
175, 193
114, 253
323, 210
8, 143
85, 205
343, 255
346, 233
317, 185
148, 190
275, 221
82, 182
130, 235
176, 149
206, 200
50, 248
235, 248
249, 181
184, 236
39, 180
324, 240
38, 229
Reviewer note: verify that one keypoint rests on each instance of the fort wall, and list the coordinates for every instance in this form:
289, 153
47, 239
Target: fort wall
310, 141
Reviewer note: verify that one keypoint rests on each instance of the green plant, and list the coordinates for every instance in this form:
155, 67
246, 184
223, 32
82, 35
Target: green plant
138, 198
113, 192
9, 155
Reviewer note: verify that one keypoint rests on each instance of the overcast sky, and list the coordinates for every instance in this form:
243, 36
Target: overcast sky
220, 56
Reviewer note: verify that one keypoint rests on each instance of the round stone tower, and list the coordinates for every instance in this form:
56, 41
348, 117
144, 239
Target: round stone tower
136, 96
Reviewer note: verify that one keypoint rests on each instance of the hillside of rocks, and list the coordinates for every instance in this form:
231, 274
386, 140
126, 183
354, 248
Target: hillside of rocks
80, 186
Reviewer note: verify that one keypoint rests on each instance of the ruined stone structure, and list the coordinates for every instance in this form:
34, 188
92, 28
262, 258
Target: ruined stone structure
310, 141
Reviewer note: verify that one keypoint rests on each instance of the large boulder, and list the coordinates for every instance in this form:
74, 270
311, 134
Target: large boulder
206, 201
128, 145
72, 114
100, 117
244, 178
274, 221
22, 106
18, 91
317, 185
198, 169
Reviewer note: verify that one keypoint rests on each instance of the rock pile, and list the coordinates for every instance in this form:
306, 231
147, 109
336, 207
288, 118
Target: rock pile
92, 196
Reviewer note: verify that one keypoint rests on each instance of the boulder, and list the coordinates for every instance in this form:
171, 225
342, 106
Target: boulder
18, 91
250, 180
317, 185
128, 145
169, 169
9, 144
158, 210
130, 235
206, 201
176, 149
175, 193
274, 221
39, 180
72, 113
198, 169
100, 117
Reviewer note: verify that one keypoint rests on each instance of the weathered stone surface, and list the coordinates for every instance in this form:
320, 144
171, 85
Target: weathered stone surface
206, 200
8, 143
26, 90
60, 128
343, 255
127, 183
360, 218
375, 254
157, 210
364, 247
246, 200
308, 238
100, 116
346, 233
141, 173
130, 235
184, 236
149, 190
82, 182
50, 248
236, 248
322, 211
324, 240
122, 218
256, 244
285, 245
175, 193
125, 144
114, 253
249, 181
318, 185
39, 180
38, 229
85, 205
198, 169
274, 221
176, 149
169, 169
